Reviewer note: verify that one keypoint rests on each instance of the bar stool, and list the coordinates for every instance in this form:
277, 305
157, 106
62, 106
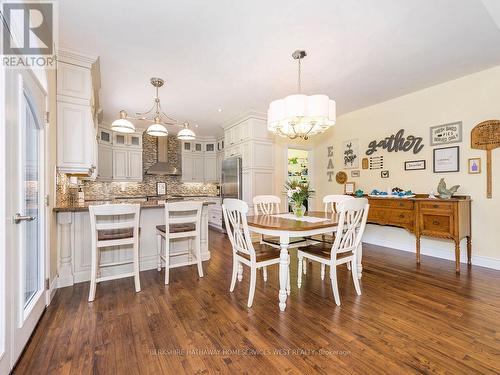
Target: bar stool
114, 225
184, 223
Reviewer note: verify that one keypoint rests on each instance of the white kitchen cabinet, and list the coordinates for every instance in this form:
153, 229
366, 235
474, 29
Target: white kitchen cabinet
74, 81
75, 139
210, 147
232, 151
127, 140
105, 162
187, 167
134, 165
198, 168
120, 162
127, 164
105, 136
210, 169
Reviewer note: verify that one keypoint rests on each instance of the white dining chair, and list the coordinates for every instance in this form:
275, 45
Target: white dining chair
183, 220
269, 205
353, 214
113, 225
254, 256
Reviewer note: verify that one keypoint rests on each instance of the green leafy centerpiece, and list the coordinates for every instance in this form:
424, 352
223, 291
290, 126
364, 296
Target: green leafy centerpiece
297, 193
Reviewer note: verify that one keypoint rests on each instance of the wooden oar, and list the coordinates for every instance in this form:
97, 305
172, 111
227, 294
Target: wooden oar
486, 136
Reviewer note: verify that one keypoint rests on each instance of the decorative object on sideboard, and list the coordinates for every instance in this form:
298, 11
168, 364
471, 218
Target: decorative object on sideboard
384, 174
155, 115
329, 168
349, 187
474, 166
376, 162
445, 193
414, 165
446, 159
341, 177
359, 193
364, 163
397, 142
350, 154
446, 133
355, 173
486, 136
299, 115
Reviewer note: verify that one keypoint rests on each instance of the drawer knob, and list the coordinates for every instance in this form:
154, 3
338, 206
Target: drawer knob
402, 216
435, 222
436, 206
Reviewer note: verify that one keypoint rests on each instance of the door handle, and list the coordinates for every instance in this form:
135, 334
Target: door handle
18, 218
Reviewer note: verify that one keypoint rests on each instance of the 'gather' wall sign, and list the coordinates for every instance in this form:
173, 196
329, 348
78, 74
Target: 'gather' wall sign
397, 142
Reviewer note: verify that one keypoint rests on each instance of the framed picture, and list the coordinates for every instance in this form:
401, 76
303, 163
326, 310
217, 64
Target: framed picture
446, 159
349, 188
355, 173
350, 154
446, 133
161, 188
414, 165
384, 174
474, 166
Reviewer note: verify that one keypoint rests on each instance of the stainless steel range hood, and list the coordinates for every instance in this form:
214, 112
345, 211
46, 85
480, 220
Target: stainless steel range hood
165, 166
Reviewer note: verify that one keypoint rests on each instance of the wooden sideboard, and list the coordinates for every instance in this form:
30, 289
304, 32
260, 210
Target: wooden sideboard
439, 218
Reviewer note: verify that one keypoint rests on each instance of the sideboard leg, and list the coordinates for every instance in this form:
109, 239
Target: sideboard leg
457, 256
418, 248
469, 251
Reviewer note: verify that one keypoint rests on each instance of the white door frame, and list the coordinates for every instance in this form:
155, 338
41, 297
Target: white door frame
310, 149
22, 321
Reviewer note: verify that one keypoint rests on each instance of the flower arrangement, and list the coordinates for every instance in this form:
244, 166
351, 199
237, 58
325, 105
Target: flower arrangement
297, 192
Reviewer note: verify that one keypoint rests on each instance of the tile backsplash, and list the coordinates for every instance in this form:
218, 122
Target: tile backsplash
99, 190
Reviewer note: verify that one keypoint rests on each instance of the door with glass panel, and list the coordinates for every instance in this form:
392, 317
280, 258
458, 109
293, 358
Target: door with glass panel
25, 255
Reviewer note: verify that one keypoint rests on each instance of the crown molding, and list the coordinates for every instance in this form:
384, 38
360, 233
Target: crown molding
76, 58
251, 114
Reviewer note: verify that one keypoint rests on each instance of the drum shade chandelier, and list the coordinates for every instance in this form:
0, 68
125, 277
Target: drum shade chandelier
299, 115
159, 118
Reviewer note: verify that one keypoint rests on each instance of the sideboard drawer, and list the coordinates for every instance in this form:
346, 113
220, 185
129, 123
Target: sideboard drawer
380, 202
441, 206
402, 203
401, 217
436, 224
378, 215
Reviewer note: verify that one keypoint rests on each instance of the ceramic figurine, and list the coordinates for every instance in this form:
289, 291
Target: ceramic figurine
445, 193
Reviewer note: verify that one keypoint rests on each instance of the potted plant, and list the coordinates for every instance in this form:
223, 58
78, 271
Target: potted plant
297, 193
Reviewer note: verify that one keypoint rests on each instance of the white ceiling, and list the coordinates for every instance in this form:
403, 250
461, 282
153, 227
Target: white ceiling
235, 55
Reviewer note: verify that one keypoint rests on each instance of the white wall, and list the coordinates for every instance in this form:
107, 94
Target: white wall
470, 99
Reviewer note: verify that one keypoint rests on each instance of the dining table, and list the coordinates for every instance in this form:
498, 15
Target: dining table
288, 225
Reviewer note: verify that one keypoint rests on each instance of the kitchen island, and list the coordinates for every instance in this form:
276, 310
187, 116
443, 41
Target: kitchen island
74, 241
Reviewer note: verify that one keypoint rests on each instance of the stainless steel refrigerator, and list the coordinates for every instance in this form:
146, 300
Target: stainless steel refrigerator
231, 180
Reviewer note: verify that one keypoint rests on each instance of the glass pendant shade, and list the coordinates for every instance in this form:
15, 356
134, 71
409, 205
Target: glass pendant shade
122, 125
301, 115
157, 130
186, 134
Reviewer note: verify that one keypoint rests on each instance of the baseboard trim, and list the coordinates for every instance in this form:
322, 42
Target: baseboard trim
51, 292
477, 260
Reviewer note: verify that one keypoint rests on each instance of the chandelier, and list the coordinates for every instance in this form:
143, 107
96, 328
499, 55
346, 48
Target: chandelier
156, 115
299, 115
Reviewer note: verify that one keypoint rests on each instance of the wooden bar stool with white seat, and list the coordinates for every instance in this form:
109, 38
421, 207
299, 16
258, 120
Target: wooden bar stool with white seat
114, 225
269, 205
255, 256
183, 220
353, 214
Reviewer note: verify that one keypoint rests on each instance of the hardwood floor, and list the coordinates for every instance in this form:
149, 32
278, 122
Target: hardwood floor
407, 320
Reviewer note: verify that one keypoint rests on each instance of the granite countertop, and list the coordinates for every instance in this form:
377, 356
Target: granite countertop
82, 207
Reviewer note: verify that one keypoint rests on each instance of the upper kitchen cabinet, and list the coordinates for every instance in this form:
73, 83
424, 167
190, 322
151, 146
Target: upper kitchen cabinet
77, 108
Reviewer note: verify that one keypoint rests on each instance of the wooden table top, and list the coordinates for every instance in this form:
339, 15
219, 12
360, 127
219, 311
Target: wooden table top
279, 223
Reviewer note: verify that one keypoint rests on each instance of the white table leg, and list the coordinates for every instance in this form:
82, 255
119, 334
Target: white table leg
284, 261
360, 256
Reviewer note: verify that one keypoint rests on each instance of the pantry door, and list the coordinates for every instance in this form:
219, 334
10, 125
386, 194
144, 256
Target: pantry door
25, 252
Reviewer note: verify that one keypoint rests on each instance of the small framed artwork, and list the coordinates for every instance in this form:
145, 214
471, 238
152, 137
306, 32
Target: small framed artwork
446, 159
355, 173
414, 165
384, 174
474, 166
349, 188
446, 133
161, 188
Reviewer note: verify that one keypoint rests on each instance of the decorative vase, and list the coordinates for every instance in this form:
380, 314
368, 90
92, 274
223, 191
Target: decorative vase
298, 209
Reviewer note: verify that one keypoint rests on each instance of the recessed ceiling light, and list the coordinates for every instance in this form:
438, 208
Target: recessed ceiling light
219, 110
